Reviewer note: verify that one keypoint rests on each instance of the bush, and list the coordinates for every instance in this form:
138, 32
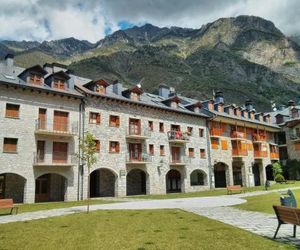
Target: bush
279, 178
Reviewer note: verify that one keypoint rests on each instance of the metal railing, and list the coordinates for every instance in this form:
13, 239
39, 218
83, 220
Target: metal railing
179, 159
178, 135
135, 131
138, 157
54, 159
56, 127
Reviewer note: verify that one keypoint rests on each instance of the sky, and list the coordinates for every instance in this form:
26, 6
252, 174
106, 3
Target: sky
93, 19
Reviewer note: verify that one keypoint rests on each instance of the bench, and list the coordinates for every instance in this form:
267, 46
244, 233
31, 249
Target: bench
234, 188
287, 215
9, 204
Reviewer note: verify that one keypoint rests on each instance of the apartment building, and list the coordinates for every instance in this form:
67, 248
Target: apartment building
39, 124
243, 143
147, 144
288, 118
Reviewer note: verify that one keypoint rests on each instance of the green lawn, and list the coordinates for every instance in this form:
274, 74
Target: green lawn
152, 229
215, 192
264, 203
51, 205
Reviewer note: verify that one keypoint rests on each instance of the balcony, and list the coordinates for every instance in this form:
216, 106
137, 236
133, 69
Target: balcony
138, 133
258, 138
236, 135
274, 155
260, 154
216, 132
138, 158
179, 160
295, 137
56, 128
238, 152
178, 137
57, 159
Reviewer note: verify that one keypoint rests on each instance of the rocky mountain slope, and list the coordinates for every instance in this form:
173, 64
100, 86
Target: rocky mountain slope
246, 57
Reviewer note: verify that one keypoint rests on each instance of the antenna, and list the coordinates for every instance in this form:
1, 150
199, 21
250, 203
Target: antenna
140, 82
214, 94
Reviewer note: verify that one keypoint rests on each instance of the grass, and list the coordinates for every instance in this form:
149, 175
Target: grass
215, 192
264, 203
51, 205
140, 230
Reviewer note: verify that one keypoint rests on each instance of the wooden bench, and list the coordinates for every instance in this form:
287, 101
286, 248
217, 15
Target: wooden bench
8, 204
287, 215
234, 188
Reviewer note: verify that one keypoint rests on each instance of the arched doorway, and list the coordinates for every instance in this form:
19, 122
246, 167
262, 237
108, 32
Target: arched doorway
198, 178
220, 169
269, 173
102, 183
50, 187
173, 181
136, 182
12, 186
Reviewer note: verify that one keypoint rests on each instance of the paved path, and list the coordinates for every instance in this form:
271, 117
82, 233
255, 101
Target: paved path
255, 222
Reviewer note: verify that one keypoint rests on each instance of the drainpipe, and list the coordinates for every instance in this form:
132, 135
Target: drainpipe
80, 135
209, 154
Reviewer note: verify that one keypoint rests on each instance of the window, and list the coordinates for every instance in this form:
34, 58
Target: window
100, 89
10, 145
191, 152
97, 145
197, 178
214, 143
161, 127
162, 150
150, 125
114, 121
59, 83
114, 147
95, 118
224, 145
201, 132
12, 110
190, 130
35, 79
151, 149
202, 153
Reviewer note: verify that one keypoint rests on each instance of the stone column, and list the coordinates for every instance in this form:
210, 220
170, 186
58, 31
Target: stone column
29, 191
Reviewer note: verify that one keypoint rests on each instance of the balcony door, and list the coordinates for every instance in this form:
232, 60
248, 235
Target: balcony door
60, 152
60, 121
40, 150
134, 126
42, 186
175, 152
42, 119
135, 151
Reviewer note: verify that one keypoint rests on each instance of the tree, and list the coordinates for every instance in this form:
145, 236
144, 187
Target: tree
88, 157
277, 169
293, 167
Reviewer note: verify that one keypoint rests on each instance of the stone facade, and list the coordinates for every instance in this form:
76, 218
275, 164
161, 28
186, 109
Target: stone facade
24, 128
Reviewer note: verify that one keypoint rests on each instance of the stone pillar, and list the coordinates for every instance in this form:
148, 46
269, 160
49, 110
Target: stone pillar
29, 191
229, 181
121, 184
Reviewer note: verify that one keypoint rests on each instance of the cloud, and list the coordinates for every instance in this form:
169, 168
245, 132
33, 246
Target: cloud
92, 19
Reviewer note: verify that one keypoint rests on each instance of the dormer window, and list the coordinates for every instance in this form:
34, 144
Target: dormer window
100, 89
252, 116
135, 96
230, 111
59, 83
133, 93
172, 102
210, 106
238, 112
221, 107
174, 105
35, 79
98, 86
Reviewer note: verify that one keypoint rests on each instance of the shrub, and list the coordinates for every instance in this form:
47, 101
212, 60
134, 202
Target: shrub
279, 178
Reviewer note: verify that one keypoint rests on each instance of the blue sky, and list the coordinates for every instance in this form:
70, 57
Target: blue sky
93, 19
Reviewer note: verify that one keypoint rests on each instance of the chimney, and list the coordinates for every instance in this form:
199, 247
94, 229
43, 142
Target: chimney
9, 60
163, 91
172, 91
291, 103
249, 105
219, 97
117, 87
72, 80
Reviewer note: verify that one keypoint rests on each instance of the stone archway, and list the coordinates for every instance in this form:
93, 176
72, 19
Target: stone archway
173, 181
102, 183
12, 186
136, 181
221, 175
50, 187
198, 178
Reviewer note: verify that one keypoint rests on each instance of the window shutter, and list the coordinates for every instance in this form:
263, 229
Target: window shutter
224, 144
117, 147
98, 119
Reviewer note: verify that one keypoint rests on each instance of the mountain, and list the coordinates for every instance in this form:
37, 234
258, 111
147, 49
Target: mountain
246, 57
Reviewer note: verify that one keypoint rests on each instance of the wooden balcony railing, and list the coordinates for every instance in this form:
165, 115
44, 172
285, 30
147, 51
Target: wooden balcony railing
138, 158
274, 155
179, 160
258, 137
135, 132
238, 135
260, 154
216, 132
239, 152
53, 127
